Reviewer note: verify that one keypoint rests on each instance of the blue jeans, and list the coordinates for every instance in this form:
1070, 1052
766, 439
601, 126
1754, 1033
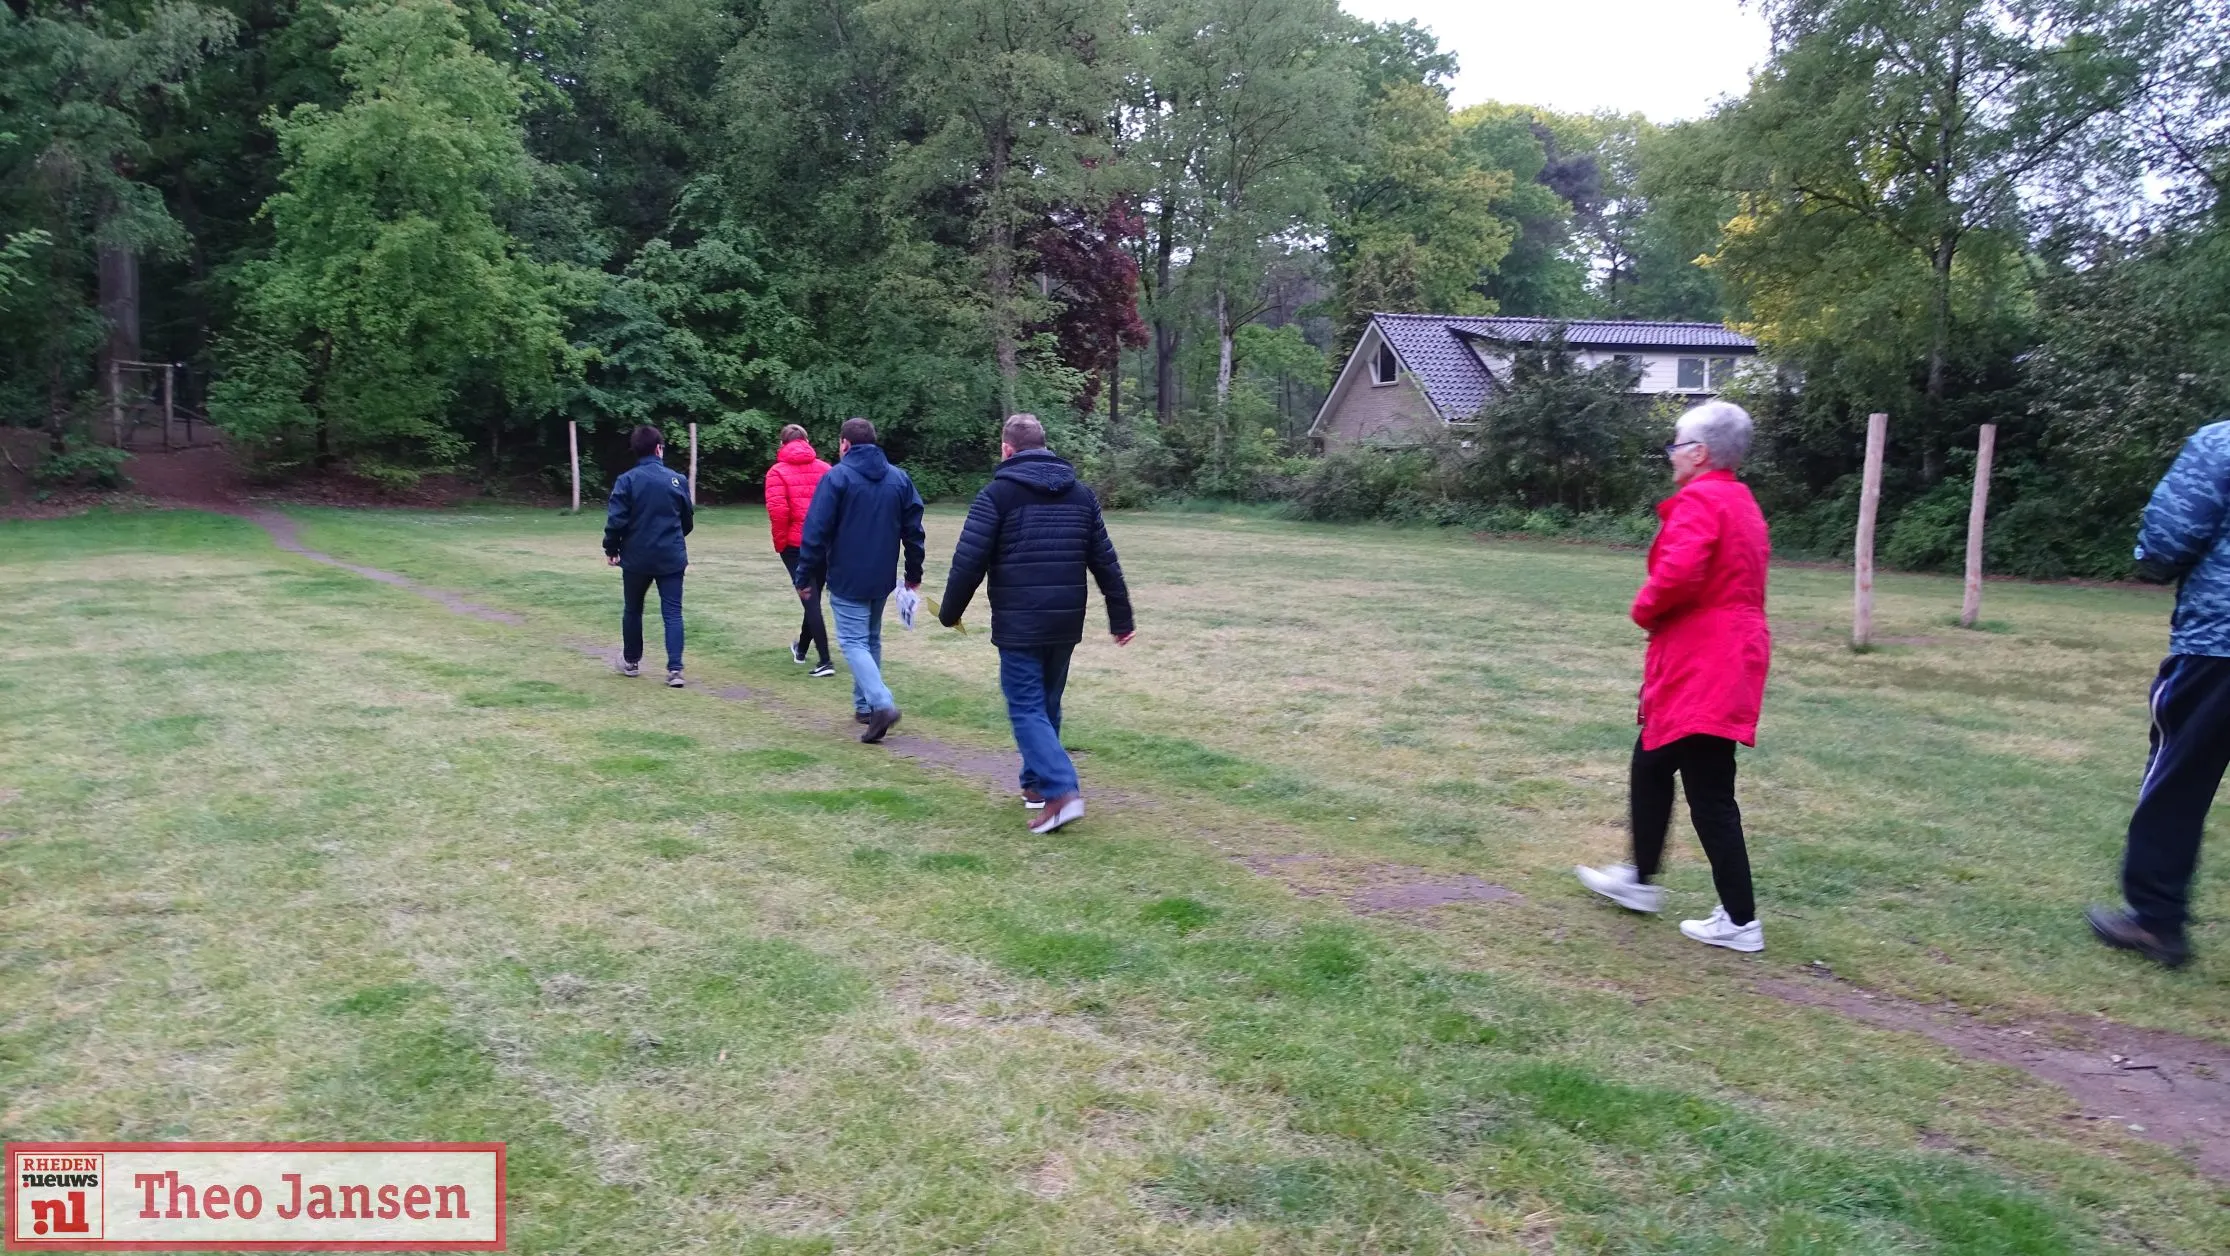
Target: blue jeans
634, 585
1033, 679
859, 634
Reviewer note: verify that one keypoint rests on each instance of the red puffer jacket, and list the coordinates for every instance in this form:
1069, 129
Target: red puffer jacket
1704, 610
796, 472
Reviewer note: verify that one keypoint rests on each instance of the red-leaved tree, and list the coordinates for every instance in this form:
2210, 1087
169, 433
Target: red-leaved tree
1094, 281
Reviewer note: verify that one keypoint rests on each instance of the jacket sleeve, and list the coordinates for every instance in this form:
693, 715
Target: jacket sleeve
618, 514
687, 508
820, 529
2185, 515
1108, 571
910, 531
1685, 549
971, 558
778, 506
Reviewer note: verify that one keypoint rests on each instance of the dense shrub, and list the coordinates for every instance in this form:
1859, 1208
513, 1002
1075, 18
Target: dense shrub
1355, 485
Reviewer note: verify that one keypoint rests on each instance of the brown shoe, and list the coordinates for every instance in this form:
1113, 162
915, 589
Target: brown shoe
2120, 930
878, 723
1032, 800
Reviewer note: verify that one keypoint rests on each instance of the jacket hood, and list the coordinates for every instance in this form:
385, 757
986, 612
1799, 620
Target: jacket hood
798, 453
1038, 469
868, 460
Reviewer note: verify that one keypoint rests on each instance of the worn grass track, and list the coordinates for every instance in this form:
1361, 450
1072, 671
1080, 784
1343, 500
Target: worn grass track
293, 854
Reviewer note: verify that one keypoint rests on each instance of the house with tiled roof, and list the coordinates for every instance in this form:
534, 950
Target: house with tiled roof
1415, 375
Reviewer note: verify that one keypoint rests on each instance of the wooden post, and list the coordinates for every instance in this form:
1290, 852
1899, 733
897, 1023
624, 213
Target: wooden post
573, 443
1984, 451
116, 400
1869, 505
692, 464
170, 407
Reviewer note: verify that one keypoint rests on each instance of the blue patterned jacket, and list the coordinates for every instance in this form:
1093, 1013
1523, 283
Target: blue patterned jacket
2185, 538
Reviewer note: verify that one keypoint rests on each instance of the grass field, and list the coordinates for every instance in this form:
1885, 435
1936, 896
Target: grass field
288, 853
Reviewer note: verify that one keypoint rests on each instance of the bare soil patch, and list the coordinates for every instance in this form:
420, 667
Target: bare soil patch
2164, 1087
1369, 888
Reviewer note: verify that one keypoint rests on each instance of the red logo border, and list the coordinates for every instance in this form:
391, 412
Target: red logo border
8, 1241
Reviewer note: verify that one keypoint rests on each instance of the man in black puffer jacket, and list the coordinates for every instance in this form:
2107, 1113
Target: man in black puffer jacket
1035, 530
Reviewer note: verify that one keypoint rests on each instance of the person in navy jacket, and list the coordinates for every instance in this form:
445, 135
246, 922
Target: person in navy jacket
649, 514
863, 511
1034, 532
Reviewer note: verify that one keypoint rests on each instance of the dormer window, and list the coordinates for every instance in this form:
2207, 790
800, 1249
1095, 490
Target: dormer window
1384, 367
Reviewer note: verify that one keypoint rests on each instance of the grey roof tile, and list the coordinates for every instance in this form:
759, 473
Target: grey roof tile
1434, 349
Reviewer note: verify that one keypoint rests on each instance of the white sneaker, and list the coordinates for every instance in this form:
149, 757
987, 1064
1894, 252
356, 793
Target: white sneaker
1717, 930
1618, 884
1058, 812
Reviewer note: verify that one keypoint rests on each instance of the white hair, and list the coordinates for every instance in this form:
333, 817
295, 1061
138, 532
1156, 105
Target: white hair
1723, 427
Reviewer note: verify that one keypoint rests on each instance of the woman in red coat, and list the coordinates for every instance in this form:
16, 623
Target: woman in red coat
796, 472
1703, 607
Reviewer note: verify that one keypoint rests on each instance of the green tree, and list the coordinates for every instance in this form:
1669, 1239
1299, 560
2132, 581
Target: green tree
1017, 94
76, 82
1882, 154
1416, 225
392, 292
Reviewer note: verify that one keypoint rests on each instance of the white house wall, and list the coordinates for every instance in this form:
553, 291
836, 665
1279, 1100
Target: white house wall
1660, 372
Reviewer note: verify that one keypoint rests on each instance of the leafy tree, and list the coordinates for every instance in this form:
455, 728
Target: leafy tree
74, 84
1882, 154
392, 291
1561, 434
1415, 227
1014, 92
1094, 282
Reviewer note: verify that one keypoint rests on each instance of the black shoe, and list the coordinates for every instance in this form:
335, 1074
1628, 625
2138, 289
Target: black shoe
822, 670
2120, 930
861, 717
797, 651
878, 723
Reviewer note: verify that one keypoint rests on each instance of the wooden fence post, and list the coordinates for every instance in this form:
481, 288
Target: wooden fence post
1869, 506
573, 444
692, 464
1985, 450
116, 400
170, 404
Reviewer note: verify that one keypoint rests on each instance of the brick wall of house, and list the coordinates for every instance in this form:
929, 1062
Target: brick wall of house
1361, 412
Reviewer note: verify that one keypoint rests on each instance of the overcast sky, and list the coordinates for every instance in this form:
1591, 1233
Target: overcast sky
1669, 59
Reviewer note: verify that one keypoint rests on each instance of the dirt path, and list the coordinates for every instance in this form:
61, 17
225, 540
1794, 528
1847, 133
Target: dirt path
2164, 1087
284, 535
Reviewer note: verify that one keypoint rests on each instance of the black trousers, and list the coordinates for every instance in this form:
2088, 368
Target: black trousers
815, 630
1705, 766
634, 587
2190, 749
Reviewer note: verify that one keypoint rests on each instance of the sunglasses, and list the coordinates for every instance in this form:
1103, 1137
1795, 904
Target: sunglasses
1679, 445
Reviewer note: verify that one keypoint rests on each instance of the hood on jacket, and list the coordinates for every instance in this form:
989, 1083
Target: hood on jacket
798, 452
868, 460
1038, 469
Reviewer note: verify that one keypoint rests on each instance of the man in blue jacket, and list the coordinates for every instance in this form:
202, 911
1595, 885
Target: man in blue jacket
862, 512
2184, 538
650, 513
1035, 531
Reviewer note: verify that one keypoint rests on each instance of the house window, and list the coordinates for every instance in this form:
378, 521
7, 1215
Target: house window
1383, 368
1691, 375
